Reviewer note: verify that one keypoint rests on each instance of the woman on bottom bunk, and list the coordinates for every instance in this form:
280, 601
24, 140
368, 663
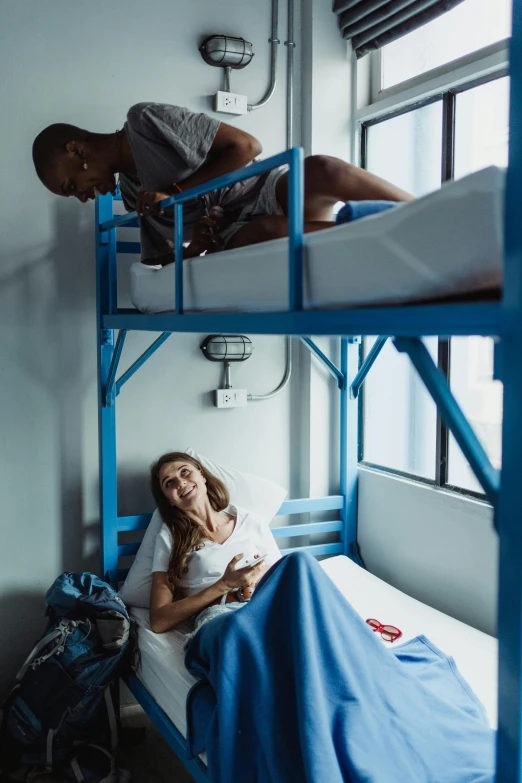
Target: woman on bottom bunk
163, 150
202, 536
295, 686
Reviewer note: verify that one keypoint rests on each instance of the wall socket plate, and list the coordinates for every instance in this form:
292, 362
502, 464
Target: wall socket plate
230, 103
230, 398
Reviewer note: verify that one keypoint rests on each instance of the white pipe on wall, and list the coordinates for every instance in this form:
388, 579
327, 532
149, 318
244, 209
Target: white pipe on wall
274, 42
290, 44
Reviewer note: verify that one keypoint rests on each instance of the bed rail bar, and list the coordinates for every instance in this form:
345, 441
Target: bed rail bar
286, 531
296, 506
484, 319
261, 167
294, 159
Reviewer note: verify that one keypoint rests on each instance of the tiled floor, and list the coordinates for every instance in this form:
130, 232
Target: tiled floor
144, 753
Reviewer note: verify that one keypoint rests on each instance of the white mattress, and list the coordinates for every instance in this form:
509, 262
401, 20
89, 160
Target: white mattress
444, 244
164, 675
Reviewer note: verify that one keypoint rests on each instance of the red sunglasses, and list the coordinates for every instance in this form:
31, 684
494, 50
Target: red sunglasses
388, 632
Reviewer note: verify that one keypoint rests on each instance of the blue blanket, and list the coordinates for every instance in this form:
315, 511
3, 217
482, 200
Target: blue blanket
297, 687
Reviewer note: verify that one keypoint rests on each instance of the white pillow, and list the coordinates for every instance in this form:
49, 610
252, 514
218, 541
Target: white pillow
247, 491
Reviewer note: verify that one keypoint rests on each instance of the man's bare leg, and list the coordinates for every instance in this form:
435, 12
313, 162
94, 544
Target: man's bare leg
328, 180
266, 227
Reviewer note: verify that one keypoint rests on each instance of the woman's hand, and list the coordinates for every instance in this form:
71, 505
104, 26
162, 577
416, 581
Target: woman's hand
246, 577
260, 571
147, 202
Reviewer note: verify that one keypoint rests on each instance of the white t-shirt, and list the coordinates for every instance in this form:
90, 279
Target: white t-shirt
251, 536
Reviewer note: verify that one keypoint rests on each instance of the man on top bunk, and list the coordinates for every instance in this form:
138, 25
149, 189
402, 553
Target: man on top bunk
163, 150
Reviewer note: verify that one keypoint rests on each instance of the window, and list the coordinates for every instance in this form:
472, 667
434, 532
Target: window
470, 26
399, 415
451, 134
480, 397
482, 127
416, 141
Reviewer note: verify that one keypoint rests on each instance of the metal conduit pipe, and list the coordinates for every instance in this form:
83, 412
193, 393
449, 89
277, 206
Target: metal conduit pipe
290, 44
286, 377
274, 42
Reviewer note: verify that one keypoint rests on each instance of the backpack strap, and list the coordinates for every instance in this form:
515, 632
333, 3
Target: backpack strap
49, 750
111, 714
78, 774
56, 638
113, 775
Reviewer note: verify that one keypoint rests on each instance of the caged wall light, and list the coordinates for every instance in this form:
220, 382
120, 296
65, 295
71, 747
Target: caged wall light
227, 348
224, 51
227, 52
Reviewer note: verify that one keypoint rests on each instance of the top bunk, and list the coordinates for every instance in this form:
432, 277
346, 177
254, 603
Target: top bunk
431, 266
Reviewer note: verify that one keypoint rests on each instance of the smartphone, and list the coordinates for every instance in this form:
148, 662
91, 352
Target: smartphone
251, 563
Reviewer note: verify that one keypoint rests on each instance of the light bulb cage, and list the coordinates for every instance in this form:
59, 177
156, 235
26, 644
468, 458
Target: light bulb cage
225, 51
227, 348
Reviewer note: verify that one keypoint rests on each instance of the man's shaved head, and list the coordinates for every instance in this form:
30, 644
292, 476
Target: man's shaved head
71, 161
50, 145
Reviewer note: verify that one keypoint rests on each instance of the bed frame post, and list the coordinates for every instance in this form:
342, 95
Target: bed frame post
509, 521
348, 446
105, 303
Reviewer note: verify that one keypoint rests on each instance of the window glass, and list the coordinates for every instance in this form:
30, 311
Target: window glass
399, 415
482, 133
465, 29
480, 398
407, 149
482, 127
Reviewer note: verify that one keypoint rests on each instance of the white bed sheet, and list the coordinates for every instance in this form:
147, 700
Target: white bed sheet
444, 244
164, 675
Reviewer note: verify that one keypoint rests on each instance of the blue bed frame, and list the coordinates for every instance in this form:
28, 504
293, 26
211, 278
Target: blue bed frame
405, 325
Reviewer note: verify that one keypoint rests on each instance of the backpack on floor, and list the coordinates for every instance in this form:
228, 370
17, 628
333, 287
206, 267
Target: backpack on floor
59, 717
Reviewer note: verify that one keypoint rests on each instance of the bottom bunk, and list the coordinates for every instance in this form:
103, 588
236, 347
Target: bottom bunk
162, 681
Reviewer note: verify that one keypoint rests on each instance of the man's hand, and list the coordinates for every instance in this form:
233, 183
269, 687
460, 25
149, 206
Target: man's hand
205, 236
147, 202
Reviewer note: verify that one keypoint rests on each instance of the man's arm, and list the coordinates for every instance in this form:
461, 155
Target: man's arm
231, 150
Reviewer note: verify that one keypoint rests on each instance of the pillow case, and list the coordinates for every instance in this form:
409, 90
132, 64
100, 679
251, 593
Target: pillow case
248, 491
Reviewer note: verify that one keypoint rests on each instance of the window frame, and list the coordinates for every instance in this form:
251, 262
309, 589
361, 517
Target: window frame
441, 84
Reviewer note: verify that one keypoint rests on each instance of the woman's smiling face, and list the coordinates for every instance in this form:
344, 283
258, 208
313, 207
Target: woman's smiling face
182, 484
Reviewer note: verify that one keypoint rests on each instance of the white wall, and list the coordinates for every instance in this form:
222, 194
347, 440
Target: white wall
437, 546
87, 64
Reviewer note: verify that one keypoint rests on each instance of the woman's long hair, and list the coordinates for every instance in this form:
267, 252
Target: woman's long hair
186, 534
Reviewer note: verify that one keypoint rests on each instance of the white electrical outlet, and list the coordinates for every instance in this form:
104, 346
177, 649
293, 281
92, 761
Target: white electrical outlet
230, 398
230, 102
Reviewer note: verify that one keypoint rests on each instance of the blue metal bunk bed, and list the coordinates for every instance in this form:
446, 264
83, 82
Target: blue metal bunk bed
405, 325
